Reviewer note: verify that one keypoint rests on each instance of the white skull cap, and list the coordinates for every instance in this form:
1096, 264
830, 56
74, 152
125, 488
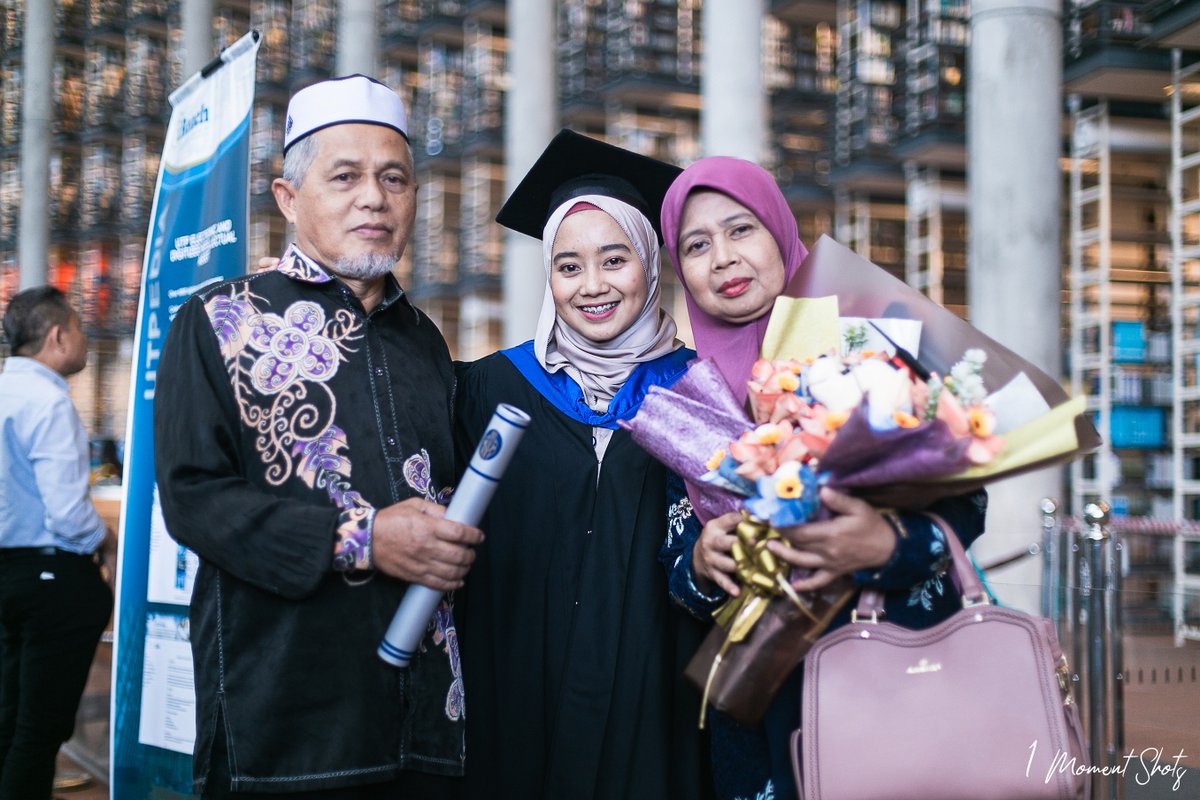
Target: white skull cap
338, 101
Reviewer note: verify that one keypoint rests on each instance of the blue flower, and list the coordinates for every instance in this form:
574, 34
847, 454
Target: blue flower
787, 497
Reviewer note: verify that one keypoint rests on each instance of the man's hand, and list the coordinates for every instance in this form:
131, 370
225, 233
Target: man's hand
412, 541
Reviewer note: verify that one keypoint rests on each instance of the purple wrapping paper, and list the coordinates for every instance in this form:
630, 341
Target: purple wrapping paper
683, 434
861, 457
704, 383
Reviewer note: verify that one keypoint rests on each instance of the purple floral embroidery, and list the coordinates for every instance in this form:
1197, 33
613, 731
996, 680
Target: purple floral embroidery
321, 465
352, 550
276, 362
230, 317
417, 476
445, 632
295, 264
293, 347
322, 453
416, 472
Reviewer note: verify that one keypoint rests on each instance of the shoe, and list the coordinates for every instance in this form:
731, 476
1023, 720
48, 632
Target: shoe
66, 781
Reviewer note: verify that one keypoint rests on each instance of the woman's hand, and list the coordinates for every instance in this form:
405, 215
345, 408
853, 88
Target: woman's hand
712, 562
857, 537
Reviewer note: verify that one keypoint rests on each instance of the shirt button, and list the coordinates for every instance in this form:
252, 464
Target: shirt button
391, 440
379, 371
589, 533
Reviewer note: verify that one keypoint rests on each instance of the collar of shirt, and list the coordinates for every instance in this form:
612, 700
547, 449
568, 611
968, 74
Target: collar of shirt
20, 365
300, 267
562, 392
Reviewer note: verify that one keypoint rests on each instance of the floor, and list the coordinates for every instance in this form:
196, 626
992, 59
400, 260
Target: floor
1162, 718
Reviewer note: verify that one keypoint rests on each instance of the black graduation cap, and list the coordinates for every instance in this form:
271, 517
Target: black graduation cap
573, 165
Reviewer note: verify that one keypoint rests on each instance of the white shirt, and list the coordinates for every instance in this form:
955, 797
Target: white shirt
44, 465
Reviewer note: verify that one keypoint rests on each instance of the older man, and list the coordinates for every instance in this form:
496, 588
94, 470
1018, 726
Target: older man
302, 436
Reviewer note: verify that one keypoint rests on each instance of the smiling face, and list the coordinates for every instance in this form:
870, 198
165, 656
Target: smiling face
596, 278
731, 263
358, 199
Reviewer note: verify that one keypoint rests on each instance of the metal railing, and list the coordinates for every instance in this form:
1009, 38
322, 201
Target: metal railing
1081, 585
1085, 562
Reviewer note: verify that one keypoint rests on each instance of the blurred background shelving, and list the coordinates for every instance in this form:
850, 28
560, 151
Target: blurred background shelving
867, 136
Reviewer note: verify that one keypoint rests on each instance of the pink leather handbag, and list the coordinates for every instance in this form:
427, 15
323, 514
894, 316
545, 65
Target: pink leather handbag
978, 706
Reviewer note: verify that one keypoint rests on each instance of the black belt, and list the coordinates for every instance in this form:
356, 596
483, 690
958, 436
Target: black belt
29, 552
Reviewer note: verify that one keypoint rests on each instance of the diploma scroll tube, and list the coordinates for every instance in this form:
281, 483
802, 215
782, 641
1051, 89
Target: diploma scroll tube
471, 498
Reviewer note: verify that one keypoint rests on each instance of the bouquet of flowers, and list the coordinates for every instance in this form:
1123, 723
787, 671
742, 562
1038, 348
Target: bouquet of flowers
899, 426
866, 419
836, 400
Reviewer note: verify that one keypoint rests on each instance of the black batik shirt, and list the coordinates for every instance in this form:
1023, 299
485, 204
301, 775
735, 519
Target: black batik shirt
285, 416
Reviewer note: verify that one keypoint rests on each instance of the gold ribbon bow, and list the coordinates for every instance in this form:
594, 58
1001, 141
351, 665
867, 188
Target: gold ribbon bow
763, 577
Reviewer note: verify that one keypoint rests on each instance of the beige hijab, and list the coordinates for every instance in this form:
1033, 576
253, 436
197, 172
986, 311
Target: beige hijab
601, 368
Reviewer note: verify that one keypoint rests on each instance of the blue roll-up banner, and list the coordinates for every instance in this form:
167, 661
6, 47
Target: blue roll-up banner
198, 233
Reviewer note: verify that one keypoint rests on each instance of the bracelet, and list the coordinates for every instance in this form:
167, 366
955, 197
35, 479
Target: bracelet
896, 522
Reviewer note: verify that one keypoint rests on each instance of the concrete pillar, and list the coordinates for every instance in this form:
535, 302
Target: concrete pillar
198, 46
733, 112
530, 122
1014, 140
358, 38
37, 110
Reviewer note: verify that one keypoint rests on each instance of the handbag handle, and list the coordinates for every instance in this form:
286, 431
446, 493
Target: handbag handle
966, 579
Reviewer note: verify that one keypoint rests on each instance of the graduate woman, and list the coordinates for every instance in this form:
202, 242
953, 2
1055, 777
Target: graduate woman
572, 652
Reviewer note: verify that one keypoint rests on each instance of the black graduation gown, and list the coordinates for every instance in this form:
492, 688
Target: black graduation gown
572, 651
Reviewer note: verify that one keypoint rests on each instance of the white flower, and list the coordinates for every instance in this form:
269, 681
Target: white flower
967, 378
887, 392
831, 387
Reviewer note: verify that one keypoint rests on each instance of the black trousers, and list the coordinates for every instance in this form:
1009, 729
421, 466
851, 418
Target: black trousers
53, 608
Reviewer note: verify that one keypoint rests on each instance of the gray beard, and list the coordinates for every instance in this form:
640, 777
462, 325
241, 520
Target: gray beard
368, 267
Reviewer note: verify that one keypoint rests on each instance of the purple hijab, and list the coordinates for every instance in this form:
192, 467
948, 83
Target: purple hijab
735, 347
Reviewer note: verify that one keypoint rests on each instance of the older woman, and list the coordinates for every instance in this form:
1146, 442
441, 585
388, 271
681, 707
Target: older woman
571, 651
735, 246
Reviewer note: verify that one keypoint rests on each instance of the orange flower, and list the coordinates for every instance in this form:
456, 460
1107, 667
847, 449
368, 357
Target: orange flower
981, 421
835, 419
787, 381
770, 383
905, 420
770, 434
